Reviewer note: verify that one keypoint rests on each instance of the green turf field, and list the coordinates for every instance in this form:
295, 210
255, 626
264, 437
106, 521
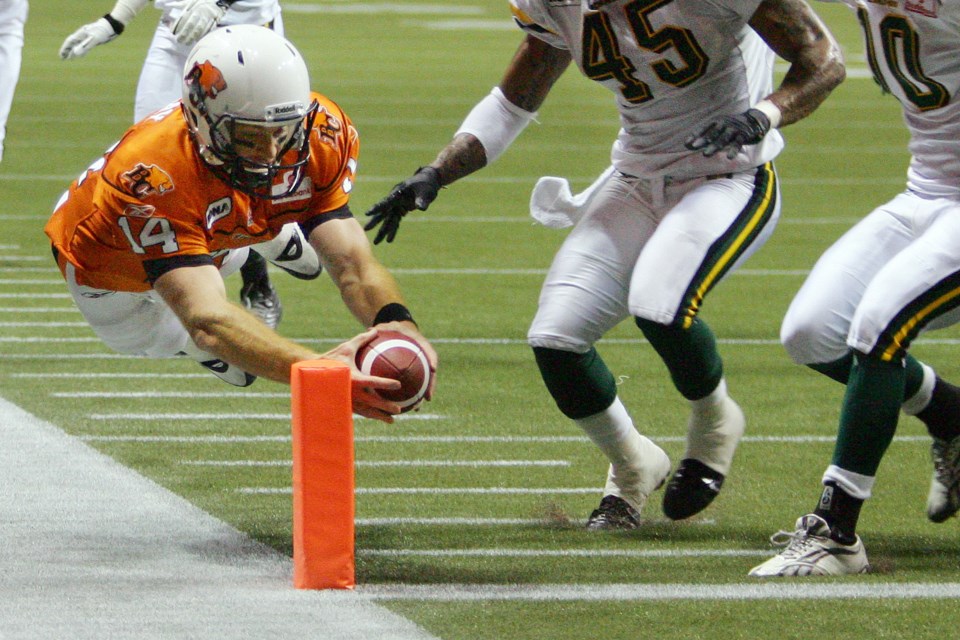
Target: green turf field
488, 485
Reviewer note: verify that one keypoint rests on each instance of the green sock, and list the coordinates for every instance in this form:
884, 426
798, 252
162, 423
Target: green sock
869, 416
690, 354
580, 383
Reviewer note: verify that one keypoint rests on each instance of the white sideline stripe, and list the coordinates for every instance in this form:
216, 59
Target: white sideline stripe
379, 491
386, 463
801, 439
96, 550
45, 281
566, 553
759, 590
234, 416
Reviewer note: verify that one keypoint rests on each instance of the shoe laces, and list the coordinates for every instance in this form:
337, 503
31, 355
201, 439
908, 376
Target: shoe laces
798, 543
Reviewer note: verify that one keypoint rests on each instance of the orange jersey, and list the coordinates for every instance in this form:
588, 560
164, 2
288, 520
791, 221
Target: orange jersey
151, 196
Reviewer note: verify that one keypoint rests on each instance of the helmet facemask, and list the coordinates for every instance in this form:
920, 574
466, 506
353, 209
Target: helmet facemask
247, 103
256, 175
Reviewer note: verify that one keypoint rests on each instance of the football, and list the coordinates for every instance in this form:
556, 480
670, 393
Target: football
394, 355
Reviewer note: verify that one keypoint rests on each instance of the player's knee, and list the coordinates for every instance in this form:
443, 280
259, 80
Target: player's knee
580, 383
808, 339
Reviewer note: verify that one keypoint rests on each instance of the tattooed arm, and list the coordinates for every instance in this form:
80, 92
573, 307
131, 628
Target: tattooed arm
796, 34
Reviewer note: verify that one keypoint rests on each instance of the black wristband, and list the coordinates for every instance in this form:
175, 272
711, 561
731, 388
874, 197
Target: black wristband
393, 312
116, 24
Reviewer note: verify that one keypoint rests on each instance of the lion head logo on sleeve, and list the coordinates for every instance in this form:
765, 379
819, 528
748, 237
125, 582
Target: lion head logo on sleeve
147, 180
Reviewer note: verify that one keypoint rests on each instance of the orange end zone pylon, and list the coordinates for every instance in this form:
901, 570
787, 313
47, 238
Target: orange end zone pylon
323, 476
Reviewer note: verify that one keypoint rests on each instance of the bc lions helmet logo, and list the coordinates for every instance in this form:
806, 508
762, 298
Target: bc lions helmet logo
145, 180
206, 82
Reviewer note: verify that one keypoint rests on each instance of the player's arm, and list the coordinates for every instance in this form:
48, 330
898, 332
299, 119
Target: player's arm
102, 30
367, 288
488, 130
197, 296
799, 36
796, 34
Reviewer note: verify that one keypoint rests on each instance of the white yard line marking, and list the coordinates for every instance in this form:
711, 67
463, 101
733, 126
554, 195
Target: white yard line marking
387, 463
800, 439
94, 374
385, 7
168, 394
234, 416
35, 296
379, 491
456, 522
758, 590
566, 553
71, 310
750, 342
473, 522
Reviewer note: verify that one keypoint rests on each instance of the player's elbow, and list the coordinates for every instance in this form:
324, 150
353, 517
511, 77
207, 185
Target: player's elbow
206, 329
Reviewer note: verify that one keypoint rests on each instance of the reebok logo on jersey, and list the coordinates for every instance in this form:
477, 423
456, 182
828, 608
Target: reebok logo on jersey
139, 211
147, 180
218, 209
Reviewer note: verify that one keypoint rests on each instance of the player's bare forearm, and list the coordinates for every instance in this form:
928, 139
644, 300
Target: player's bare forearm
796, 34
461, 157
197, 296
532, 72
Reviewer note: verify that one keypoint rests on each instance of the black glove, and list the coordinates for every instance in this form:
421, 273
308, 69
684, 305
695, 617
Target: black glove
416, 192
731, 133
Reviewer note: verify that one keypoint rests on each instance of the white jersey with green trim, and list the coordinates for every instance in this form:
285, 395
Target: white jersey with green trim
240, 12
913, 47
673, 65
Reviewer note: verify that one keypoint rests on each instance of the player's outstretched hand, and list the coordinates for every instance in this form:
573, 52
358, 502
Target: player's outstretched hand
731, 133
87, 37
199, 17
416, 192
366, 401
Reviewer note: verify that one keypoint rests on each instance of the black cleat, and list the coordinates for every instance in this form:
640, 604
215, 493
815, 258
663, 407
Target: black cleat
613, 514
262, 301
691, 489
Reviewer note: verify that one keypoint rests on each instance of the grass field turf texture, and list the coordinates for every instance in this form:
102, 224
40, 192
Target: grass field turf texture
471, 269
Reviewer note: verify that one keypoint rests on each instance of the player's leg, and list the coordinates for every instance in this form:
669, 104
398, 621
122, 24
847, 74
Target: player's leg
142, 324
583, 296
711, 226
916, 289
13, 15
816, 325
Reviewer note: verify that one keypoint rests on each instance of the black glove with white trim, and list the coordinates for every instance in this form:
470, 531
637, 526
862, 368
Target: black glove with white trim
731, 133
416, 192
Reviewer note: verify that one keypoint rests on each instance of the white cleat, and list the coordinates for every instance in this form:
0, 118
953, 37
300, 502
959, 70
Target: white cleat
291, 252
811, 552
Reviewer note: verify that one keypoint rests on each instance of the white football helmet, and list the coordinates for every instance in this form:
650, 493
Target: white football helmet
250, 77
